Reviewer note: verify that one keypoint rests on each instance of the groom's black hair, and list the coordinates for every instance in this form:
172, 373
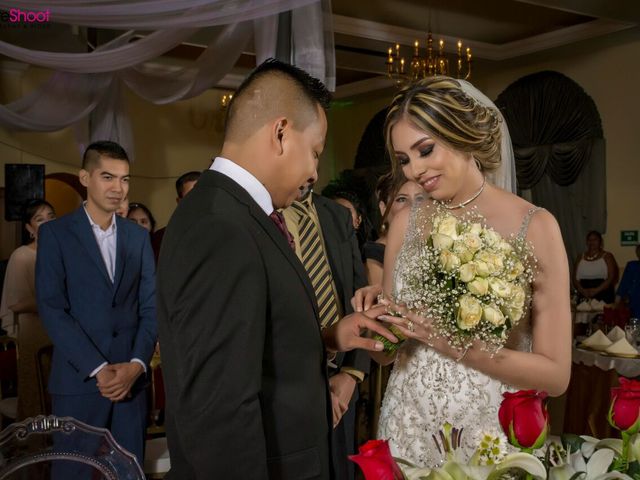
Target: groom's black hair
305, 94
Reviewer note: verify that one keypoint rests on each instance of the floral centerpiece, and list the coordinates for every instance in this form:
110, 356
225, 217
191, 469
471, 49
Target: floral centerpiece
525, 421
472, 282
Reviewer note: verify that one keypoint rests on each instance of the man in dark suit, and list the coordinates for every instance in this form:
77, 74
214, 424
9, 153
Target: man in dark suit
95, 287
243, 356
184, 184
326, 243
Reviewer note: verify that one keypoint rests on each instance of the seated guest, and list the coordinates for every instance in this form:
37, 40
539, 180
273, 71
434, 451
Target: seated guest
393, 197
18, 296
629, 288
140, 214
184, 184
595, 271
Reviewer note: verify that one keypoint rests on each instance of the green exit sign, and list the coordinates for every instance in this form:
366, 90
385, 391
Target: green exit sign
628, 237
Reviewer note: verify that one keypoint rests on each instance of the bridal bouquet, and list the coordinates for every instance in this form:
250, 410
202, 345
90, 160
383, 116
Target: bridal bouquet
473, 283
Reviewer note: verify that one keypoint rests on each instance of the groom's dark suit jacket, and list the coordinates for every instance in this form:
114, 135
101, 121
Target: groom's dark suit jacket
242, 354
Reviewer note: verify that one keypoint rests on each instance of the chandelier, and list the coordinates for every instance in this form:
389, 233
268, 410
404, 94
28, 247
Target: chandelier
430, 64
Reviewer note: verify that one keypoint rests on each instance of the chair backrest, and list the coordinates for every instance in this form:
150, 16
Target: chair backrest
91, 446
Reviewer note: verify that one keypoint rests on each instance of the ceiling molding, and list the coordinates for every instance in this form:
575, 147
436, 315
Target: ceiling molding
405, 36
621, 10
363, 86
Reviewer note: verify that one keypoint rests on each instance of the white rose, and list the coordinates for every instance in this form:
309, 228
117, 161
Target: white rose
468, 272
482, 269
491, 237
504, 247
448, 225
493, 315
472, 241
514, 314
469, 312
517, 296
449, 261
476, 228
501, 288
479, 286
493, 261
441, 241
515, 271
461, 250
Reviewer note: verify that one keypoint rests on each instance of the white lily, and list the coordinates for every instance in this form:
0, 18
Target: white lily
594, 469
453, 470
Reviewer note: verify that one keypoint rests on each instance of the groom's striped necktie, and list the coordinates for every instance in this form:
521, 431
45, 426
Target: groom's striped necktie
316, 264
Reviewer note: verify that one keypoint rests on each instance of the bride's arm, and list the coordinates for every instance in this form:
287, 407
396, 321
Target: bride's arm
395, 237
548, 366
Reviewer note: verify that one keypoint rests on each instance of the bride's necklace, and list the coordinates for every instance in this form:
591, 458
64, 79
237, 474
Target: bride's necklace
469, 200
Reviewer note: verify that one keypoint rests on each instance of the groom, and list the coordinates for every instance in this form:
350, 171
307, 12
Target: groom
243, 356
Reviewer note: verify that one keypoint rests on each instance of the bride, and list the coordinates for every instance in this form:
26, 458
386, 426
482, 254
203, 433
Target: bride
447, 136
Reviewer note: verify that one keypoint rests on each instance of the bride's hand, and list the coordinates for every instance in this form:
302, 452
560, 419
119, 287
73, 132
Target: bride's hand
418, 327
410, 324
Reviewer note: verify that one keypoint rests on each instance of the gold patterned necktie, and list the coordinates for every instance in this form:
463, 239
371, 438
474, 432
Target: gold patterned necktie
316, 263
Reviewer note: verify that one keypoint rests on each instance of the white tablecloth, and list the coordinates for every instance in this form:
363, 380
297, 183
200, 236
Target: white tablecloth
627, 367
585, 317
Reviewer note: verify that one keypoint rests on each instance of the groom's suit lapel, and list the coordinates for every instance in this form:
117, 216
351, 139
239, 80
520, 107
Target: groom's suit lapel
267, 225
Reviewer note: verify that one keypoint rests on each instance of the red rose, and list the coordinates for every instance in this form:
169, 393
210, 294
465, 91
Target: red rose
376, 462
524, 418
625, 406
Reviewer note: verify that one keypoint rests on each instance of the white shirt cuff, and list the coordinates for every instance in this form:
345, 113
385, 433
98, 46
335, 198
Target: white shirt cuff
137, 360
95, 372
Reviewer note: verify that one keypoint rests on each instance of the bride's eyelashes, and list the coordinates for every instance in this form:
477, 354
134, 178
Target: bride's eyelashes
426, 150
402, 160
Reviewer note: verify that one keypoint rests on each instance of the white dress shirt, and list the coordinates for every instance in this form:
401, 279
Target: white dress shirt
246, 180
107, 243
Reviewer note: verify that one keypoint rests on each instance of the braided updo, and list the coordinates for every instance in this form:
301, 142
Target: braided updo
440, 107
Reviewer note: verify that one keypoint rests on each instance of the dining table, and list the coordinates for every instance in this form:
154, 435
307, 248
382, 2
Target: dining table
588, 397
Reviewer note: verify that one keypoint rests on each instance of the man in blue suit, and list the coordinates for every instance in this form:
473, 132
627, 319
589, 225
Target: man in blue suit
95, 286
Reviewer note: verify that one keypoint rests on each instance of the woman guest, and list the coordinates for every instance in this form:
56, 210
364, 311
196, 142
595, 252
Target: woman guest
629, 288
393, 196
19, 303
140, 214
595, 271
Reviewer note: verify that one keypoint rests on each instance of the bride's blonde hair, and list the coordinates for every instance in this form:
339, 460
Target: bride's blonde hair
440, 107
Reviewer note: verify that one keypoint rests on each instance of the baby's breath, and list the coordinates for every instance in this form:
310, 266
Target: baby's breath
473, 283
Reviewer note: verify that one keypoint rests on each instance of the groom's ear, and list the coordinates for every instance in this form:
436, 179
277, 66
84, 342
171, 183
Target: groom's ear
278, 132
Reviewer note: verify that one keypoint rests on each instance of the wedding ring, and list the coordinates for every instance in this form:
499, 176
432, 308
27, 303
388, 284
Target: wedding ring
410, 326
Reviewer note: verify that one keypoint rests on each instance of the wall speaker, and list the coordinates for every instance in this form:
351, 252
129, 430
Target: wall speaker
23, 182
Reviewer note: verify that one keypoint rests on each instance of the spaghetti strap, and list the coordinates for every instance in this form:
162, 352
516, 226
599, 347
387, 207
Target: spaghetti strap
522, 234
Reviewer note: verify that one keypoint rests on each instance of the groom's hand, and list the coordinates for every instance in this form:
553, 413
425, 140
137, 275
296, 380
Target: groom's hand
342, 386
347, 334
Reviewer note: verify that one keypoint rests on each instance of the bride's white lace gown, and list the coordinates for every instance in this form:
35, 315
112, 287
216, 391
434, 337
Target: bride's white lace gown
426, 390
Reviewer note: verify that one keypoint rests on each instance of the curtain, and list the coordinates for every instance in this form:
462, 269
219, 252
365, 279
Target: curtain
93, 83
560, 152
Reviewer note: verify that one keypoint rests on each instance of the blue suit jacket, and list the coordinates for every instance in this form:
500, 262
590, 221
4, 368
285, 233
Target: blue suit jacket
89, 318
